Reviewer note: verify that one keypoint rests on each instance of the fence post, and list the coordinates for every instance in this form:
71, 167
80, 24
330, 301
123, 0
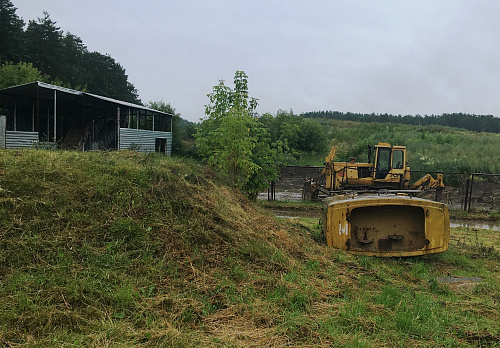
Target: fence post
470, 190
466, 197
271, 191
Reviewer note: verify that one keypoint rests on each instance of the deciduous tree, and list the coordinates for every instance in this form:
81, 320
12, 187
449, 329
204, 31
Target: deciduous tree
234, 142
17, 74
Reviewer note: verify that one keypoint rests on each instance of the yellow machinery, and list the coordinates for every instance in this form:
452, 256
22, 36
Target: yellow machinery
381, 223
386, 225
389, 171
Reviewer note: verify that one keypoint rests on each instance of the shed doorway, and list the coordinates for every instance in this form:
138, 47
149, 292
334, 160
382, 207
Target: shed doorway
161, 145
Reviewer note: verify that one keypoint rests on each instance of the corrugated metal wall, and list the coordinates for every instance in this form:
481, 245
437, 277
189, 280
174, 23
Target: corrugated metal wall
143, 140
17, 139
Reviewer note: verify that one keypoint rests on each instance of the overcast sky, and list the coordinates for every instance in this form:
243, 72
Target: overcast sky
398, 57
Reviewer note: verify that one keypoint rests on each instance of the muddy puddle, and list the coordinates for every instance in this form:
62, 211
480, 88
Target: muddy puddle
292, 214
482, 225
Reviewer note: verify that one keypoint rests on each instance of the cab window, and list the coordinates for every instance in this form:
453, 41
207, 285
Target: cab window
383, 163
397, 159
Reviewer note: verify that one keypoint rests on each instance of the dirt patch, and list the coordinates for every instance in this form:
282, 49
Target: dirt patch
460, 284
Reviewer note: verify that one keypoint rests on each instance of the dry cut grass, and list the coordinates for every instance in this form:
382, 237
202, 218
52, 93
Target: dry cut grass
126, 249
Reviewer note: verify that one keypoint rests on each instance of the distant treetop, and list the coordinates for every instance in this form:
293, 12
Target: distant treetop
61, 58
471, 122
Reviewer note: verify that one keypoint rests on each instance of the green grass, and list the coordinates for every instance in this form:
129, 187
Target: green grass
430, 148
126, 249
474, 215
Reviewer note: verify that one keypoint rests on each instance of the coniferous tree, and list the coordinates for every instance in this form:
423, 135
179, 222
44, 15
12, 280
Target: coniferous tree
43, 45
11, 31
73, 68
107, 77
60, 58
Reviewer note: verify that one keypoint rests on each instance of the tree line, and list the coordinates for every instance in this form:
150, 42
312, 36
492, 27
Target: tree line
471, 122
42, 51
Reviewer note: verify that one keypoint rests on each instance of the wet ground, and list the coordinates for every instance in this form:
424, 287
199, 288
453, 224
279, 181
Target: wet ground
482, 225
288, 214
293, 196
472, 224
485, 197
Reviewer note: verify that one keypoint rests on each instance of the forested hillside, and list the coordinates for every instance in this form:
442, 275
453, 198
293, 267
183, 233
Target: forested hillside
476, 123
430, 148
51, 55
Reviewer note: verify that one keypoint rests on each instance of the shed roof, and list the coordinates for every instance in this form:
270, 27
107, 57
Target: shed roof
29, 90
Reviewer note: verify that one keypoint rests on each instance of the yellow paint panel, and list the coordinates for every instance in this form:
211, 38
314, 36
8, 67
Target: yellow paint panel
386, 225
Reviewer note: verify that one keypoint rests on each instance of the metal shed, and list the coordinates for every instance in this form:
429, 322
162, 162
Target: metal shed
39, 111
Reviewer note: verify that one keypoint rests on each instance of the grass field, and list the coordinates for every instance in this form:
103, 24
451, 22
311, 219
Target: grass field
125, 249
430, 148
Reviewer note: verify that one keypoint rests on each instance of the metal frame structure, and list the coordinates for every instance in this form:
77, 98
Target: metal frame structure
39, 111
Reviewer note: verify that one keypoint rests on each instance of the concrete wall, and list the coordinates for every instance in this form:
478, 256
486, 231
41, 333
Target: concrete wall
292, 178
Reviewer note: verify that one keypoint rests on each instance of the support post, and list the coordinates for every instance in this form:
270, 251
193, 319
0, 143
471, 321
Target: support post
118, 128
48, 124
55, 116
3, 128
33, 118
38, 110
466, 197
84, 126
15, 115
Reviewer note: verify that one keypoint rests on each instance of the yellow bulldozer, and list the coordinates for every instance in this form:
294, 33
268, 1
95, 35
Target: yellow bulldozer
371, 210
389, 170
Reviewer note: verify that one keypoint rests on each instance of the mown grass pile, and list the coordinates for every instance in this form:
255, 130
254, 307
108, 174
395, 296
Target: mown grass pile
119, 249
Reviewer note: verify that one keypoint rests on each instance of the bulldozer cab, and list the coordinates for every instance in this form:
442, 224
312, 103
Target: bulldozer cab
389, 160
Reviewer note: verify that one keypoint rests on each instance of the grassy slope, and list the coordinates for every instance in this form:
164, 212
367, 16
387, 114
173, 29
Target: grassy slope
121, 249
